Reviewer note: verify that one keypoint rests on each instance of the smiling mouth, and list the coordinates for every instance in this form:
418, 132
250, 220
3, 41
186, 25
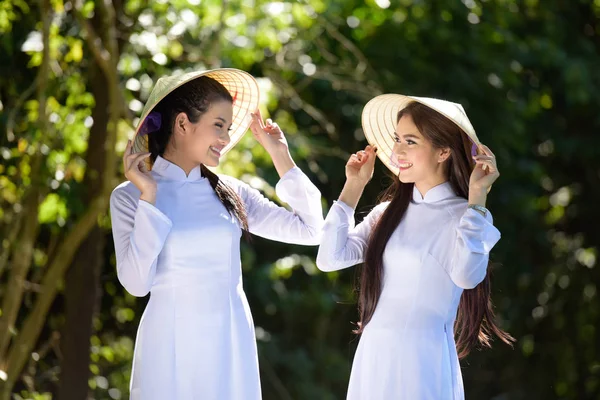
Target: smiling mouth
215, 150
404, 165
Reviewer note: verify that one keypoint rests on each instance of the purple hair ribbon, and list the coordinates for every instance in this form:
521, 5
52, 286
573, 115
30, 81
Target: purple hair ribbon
151, 123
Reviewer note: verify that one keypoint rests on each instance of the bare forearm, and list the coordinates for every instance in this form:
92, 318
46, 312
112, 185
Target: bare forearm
352, 192
149, 196
478, 197
283, 162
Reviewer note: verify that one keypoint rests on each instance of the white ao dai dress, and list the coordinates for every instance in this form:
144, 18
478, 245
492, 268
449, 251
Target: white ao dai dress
407, 350
196, 336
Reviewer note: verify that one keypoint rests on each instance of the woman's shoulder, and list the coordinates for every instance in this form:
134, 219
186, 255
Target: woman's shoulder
125, 192
377, 211
125, 189
456, 207
234, 183
381, 207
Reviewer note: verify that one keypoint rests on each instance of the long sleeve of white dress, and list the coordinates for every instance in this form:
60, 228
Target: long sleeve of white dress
303, 225
476, 235
139, 230
343, 244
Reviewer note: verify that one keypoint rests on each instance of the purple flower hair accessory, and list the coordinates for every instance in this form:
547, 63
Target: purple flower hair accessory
473, 149
151, 123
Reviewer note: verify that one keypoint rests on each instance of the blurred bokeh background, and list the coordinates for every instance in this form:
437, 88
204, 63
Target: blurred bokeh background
74, 77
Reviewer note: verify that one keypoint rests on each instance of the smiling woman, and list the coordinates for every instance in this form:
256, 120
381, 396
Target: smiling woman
177, 229
425, 250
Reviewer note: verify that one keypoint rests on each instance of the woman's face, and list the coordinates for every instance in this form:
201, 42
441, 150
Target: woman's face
204, 140
419, 162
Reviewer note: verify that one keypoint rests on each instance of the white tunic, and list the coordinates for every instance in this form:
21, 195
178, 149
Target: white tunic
196, 337
407, 350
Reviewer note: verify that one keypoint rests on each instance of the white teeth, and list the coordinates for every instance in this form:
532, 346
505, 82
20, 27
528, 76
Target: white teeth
216, 150
405, 165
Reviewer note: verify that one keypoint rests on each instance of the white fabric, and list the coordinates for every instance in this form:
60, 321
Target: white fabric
407, 350
196, 337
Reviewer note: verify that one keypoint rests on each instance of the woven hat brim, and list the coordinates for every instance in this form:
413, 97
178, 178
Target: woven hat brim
242, 86
379, 121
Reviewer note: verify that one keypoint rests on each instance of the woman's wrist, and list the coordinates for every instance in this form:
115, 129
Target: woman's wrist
352, 191
283, 161
478, 197
149, 196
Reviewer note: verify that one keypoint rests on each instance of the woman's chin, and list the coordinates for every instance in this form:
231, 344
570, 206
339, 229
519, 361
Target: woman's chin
405, 179
211, 161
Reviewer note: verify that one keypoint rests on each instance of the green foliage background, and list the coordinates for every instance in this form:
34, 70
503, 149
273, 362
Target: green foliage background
527, 72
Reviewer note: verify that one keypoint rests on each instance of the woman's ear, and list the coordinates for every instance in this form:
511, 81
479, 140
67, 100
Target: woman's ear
444, 154
181, 123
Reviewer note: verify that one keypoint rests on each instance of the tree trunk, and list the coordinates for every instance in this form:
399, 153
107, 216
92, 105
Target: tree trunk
83, 289
56, 268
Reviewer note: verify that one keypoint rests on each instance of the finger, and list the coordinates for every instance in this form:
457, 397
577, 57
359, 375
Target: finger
138, 158
487, 158
126, 152
142, 166
486, 150
352, 161
255, 124
491, 163
370, 158
132, 159
487, 180
356, 161
487, 166
275, 127
269, 122
260, 118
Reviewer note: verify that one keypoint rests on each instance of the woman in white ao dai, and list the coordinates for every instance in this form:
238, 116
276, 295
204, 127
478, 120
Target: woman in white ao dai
425, 248
177, 232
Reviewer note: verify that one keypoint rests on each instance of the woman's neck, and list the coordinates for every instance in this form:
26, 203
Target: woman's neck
425, 186
186, 165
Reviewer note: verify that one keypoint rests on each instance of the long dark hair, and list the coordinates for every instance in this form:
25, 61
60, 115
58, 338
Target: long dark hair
476, 321
194, 99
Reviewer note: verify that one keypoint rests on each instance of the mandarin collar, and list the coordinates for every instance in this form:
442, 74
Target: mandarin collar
173, 172
437, 193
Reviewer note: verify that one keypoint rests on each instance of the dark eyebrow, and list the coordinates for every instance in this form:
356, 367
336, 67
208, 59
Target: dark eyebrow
408, 136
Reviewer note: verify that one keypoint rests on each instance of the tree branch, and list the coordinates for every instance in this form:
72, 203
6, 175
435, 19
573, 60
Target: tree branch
271, 375
101, 55
24, 343
10, 121
22, 260
316, 114
13, 228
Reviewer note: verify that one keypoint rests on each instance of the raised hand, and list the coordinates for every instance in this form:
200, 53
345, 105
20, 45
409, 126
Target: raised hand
268, 134
360, 165
359, 171
271, 137
136, 172
483, 176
